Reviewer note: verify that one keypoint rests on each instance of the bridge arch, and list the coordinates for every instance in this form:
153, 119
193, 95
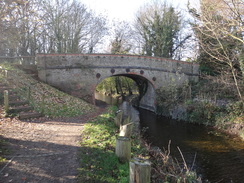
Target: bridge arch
146, 88
79, 74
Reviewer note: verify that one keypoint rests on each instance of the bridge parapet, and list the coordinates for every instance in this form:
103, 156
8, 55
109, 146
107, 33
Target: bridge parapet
52, 61
79, 74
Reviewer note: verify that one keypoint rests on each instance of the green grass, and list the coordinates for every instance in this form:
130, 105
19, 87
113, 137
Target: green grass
98, 160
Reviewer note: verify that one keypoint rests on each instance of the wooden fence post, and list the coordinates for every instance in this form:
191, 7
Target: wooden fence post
140, 171
126, 130
6, 101
118, 118
123, 149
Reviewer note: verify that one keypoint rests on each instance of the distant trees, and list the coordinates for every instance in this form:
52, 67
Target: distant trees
118, 85
219, 31
70, 27
18, 22
67, 26
157, 31
159, 26
48, 26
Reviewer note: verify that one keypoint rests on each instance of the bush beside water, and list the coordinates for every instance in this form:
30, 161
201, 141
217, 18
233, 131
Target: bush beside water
206, 102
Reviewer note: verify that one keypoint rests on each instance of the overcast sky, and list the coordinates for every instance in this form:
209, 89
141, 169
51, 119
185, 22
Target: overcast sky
126, 9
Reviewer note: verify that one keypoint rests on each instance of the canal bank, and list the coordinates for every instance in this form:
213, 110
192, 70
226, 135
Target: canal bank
225, 116
215, 156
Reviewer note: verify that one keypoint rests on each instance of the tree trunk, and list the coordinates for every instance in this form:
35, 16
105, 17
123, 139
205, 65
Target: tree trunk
123, 149
129, 88
140, 171
236, 81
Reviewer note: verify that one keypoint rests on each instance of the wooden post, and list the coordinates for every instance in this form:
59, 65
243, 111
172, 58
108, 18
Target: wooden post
118, 118
123, 149
6, 101
126, 130
140, 171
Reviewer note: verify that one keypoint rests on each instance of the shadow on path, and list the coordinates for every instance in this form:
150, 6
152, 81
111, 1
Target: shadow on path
43, 150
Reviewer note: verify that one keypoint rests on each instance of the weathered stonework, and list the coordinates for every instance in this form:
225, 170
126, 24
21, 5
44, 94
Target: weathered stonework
79, 74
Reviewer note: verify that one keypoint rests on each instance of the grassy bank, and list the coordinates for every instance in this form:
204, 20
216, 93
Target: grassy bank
206, 102
98, 162
229, 118
44, 98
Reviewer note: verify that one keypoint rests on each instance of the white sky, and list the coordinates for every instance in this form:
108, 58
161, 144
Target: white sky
126, 9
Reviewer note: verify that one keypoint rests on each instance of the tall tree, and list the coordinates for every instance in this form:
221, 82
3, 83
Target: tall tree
48, 26
98, 29
7, 9
18, 24
159, 26
71, 27
219, 29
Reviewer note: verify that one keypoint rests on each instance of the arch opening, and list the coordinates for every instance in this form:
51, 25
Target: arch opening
130, 87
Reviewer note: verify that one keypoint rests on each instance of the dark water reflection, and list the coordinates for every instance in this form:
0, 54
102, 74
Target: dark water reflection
219, 159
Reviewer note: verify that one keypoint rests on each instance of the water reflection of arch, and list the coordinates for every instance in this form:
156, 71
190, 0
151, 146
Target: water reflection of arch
146, 90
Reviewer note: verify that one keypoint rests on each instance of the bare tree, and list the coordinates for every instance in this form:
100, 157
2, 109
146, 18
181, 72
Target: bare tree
219, 29
97, 30
18, 24
122, 35
70, 27
48, 26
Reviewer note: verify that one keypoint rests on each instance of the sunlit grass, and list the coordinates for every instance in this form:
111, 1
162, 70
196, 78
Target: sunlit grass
98, 160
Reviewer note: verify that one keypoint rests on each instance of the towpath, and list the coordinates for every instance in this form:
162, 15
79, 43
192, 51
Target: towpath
42, 150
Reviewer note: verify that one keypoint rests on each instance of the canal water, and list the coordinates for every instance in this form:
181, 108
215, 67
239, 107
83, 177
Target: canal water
107, 99
217, 158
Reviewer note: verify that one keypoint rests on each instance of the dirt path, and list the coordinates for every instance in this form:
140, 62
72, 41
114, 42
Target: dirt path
43, 151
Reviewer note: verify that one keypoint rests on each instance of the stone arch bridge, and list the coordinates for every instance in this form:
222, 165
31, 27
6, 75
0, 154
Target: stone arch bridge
79, 74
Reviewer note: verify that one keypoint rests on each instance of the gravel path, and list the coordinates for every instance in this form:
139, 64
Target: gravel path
43, 151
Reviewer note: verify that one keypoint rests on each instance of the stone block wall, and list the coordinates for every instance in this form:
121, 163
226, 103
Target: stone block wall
79, 74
